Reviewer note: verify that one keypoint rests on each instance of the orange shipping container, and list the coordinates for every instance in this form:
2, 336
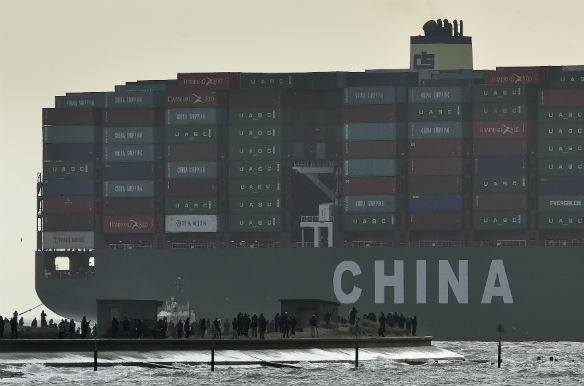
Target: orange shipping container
561, 98
208, 80
369, 185
191, 152
67, 204
435, 148
518, 76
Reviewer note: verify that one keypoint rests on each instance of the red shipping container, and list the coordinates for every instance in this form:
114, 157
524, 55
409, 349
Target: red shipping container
369, 149
115, 206
420, 185
68, 204
372, 113
499, 147
502, 129
369, 185
68, 222
565, 97
435, 148
435, 166
519, 76
133, 117
71, 116
191, 152
435, 221
195, 98
208, 80
318, 99
499, 202
190, 188
128, 224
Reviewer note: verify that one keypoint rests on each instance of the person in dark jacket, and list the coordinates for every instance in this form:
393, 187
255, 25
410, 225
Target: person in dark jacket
254, 325
381, 331
284, 325
115, 327
84, 327
72, 328
187, 328
262, 325
277, 322
203, 327
1, 327
234, 329
14, 327
292, 324
414, 325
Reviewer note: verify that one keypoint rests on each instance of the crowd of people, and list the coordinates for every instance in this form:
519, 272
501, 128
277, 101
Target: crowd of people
393, 320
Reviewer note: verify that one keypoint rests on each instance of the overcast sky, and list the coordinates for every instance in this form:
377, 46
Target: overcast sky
48, 48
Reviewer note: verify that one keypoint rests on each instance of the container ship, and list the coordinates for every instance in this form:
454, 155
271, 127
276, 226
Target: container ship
440, 191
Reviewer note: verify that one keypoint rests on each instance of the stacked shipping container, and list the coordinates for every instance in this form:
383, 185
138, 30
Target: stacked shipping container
561, 152
438, 125
503, 123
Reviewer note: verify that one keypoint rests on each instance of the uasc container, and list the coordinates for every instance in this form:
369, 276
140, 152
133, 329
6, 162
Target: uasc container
255, 187
503, 93
560, 148
261, 168
192, 134
369, 222
560, 167
256, 133
254, 205
560, 114
67, 169
255, 151
551, 220
499, 220
499, 184
187, 205
438, 112
560, 131
508, 111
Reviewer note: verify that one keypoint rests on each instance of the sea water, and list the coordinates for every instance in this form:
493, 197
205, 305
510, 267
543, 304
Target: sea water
520, 366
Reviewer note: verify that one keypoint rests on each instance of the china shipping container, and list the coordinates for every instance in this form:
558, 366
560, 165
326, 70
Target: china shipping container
68, 222
561, 203
561, 185
192, 170
129, 153
208, 81
435, 221
435, 166
499, 202
562, 98
499, 165
503, 93
370, 167
255, 205
433, 148
129, 170
372, 113
557, 148
374, 95
117, 206
369, 149
499, 220
369, 222
195, 98
560, 114
499, 184
133, 117
128, 224
195, 205
68, 187
191, 152
71, 116
68, 151
261, 168
534, 76
196, 116
439, 130
263, 97
67, 169
255, 223
81, 100
69, 134
560, 131
128, 188
369, 185
190, 188
384, 131
560, 167
499, 147
68, 204
134, 99
369, 203
435, 203
551, 220
421, 185
502, 129
439, 94
193, 134
133, 135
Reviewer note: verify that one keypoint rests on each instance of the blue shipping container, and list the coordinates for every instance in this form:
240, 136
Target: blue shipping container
129, 171
499, 166
68, 187
436, 203
561, 185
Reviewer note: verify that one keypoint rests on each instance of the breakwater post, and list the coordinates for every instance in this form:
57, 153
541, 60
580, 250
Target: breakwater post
500, 330
213, 356
94, 355
356, 355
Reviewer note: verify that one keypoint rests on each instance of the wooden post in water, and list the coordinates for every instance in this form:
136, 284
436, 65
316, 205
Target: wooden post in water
213, 356
94, 355
356, 355
500, 330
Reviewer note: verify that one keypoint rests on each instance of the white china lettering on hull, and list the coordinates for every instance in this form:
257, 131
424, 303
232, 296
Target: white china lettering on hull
355, 294
497, 271
446, 278
396, 281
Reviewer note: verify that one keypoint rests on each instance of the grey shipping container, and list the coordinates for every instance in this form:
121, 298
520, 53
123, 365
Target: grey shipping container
133, 117
500, 166
68, 151
553, 220
198, 170
560, 131
374, 95
386, 131
438, 112
71, 116
499, 220
439, 130
499, 202
489, 111
372, 113
191, 188
566, 79
200, 116
560, 203
255, 223
198, 205
435, 221
273, 80
561, 185
369, 203
560, 167
438, 94
67, 169
369, 167
192, 134
128, 153
499, 184
255, 205
69, 134
134, 99
81, 99
557, 148
256, 133
560, 114
254, 97
129, 135
129, 170
435, 166
503, 93
499, 147
128, 188
259, 151
255, 187
369, 222
254, 115
263, 168
369, 149
435, 203
68, 187
434, 184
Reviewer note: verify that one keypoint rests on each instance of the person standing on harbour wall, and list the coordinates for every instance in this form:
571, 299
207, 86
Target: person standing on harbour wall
14, 326
1, 327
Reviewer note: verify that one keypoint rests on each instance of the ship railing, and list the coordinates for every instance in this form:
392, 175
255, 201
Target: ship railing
129, 246
314, 219
368, 244
503, 243
193, 245
563, 243
253, 244
437, 243
305, 244
314, 164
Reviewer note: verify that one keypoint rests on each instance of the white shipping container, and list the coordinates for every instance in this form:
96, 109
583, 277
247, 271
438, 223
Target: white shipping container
184, 223
68, 240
